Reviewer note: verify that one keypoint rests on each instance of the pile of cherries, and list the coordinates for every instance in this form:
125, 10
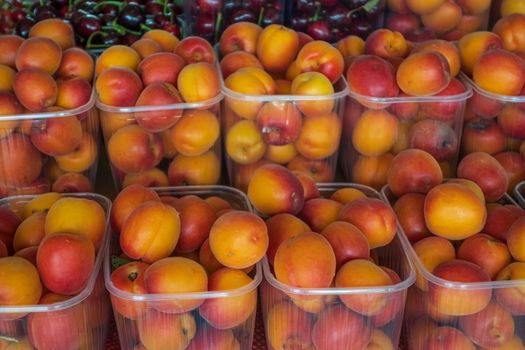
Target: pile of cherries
207, 18
96, 23
331, 20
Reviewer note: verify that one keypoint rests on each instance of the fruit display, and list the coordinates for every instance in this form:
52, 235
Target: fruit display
400, 98
209, 18
96, 24
52, 293
437, 19
159, 111
494, 120
465, 237
192, 281
333, 20
335, 272
283, 100
48, 122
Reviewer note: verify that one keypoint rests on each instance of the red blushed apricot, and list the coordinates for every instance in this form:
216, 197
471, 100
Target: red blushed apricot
446, 110
435, 137
20, 161
159, 330
512, 120
372, 76
118, 86
313, 84
39, 52
473, 45
132, 149
319, 212
35, 89
153, 177
321, 170
413, 170
458, 301
276, 58
485, 251
512, 297
204, 169
500, 218
347, 241
500, 71
164, 67
482, 135
409, 211
423, 74
239, 37
306, 260
56, 29
514, 165
351, 45
454, 211
387, 44
288, 326
236, 60
146, 47
360, 273
280, 227
319, 56
373, 217
516, 239
446, 48
486, 172
9, 44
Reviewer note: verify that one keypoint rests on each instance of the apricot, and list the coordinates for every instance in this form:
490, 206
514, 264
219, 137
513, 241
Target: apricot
198, 82
447, 336
387, 44
222, 339
73, 92
132, 149
9, 44
409, 211
279, 122
232, 311
39, 52
196, 132
511, 119
20, 161
30, 232
118, 86
166, 40
248, 80
373, 217
443, 19
288, 193
347, 241
204, 169
319, 136
319, 212
141, 238
361, 273
422, 8
372, 76
485, 251
159, 330
472, 45
321, 170
117, 56
509, 28
454, 301
515, 238
35, 89
499, 71
71, 183
20, 282
454, 211
8, 76
512, 298
314, 84
319, 56
171, 275
276, 58
235, 60
446, 48
158, 94
486, 172
306, 260
431, 75
126, 201
160, 67
371, 171
413, 170
146, 47
54, 28
280, 227
194, 49
67, 214
239, 37
375, 132
435, 137
280, 154
287, 325
347, 194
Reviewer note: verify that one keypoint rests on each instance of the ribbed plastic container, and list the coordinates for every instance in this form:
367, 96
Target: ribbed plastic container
287, 322
297, 131
463, 315
148, 318
80, 322
519, 193
52, 151
189, 153
432, 123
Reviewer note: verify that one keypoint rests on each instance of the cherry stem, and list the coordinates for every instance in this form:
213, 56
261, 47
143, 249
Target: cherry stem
9, 339
317, 12
261, 16
218, 26
90, 39
109, 2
